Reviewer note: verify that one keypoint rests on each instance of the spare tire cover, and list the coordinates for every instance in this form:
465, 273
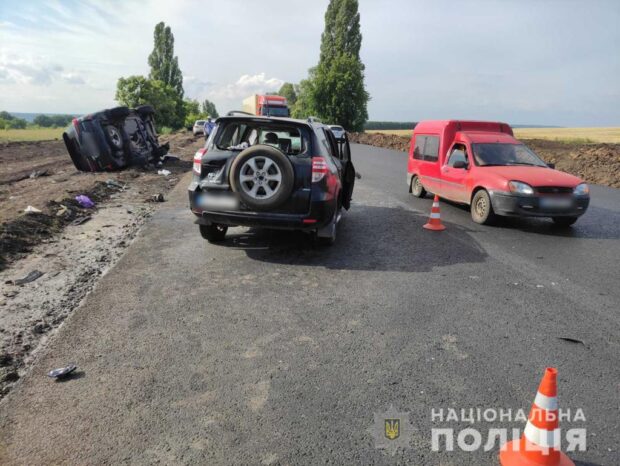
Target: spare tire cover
262, 176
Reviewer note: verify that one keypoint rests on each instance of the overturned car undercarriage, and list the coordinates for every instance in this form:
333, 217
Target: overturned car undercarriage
113, 139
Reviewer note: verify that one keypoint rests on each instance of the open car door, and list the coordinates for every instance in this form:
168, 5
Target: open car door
348, 172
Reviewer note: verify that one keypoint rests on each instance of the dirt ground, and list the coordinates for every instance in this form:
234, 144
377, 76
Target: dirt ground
595, 163
69, 247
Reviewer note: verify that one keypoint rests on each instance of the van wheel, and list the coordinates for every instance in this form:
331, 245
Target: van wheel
564, 221
416, 187
213, 233
482, 209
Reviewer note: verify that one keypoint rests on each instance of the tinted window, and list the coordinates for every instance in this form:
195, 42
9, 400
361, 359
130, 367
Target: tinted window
426, 148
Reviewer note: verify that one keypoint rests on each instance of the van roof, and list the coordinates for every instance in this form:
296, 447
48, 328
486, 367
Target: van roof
439, 126
486, 137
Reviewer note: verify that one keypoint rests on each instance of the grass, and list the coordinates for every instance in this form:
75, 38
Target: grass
568, 135
30, 134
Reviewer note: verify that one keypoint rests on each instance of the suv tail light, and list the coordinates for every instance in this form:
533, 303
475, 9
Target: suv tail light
197, 167
319, 169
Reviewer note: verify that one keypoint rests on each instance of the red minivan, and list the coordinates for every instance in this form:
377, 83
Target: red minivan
481, 164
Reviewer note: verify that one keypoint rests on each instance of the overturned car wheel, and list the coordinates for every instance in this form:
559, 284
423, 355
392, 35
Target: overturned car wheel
114, 136
262, 176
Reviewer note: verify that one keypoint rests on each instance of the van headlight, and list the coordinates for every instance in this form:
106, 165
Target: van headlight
518, 187
581, 190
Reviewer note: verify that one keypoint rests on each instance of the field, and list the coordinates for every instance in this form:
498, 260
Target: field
30, 134
570, 135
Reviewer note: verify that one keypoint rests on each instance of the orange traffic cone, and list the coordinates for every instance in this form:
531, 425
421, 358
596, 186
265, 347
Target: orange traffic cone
540, 443
434, 222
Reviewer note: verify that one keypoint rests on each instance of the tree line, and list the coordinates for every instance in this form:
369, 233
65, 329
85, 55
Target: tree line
8, 121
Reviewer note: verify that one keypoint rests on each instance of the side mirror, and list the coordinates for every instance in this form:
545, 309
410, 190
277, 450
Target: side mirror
551, 165
460, 164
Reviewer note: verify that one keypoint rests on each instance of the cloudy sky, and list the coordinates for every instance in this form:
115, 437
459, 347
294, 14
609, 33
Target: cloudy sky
553, 62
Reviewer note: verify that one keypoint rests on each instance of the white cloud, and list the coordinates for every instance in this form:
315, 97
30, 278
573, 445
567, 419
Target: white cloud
23, 70
247, 85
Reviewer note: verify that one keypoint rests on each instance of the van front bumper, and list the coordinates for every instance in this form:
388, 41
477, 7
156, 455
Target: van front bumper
530, 206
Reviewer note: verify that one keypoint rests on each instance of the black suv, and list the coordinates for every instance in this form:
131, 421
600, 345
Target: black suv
113, 139
271, 172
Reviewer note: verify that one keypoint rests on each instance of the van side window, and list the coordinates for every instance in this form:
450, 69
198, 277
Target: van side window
418, 150
426, 148
431, 149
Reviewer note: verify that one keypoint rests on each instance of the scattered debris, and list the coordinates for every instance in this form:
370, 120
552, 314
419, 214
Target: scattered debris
62, 371
81, 220
32, 210
84, 201
572, 340
63, 210
115, 184
38, 173
164, 172
32, 276
170, 158
157, 198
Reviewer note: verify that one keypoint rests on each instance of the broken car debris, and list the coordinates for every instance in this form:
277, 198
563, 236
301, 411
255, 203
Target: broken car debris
62, 371
32, 276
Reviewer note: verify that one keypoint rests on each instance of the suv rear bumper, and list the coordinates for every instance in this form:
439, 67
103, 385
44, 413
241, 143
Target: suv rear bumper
529, 206
319, 215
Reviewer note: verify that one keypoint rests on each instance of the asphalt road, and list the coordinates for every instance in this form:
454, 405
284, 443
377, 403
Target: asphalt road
265, 350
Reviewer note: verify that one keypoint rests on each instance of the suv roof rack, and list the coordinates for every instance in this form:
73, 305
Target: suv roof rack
238, 112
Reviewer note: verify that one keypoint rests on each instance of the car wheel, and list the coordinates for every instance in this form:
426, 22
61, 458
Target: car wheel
262, 176
114, 136
482, 209
416, 187
564, 221
213, 233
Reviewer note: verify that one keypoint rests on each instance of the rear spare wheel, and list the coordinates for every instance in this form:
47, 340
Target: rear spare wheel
262, 176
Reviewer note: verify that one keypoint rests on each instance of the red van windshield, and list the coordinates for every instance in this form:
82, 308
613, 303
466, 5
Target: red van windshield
494, 154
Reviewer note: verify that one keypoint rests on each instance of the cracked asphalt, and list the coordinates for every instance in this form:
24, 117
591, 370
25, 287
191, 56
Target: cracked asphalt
264, 350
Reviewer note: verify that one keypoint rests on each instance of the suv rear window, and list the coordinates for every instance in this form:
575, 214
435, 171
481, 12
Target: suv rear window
426, 148
238, 135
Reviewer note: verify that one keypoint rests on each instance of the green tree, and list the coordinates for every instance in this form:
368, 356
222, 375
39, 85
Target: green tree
305, 104
164, 65
338, 93
342, 31
208, 109
44, 121
138, 90
288, 91
4, 115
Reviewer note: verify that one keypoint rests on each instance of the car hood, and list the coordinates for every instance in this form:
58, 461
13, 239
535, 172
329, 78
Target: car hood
534, 176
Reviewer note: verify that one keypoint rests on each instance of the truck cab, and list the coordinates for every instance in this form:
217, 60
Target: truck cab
266, 105
482, 165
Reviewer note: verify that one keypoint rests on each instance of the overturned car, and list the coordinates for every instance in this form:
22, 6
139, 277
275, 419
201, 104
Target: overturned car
114, 139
